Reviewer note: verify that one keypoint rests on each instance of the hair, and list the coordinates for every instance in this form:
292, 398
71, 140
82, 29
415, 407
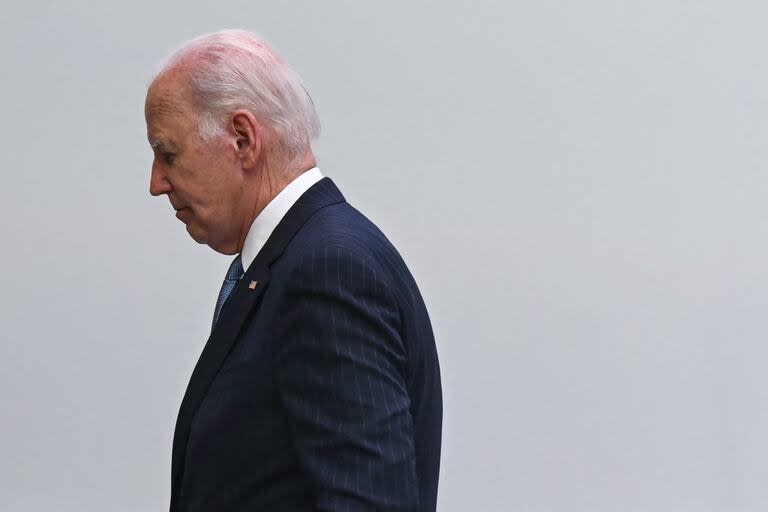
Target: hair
237, 69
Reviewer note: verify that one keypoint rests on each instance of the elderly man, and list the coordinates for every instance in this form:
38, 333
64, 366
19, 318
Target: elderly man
319, 386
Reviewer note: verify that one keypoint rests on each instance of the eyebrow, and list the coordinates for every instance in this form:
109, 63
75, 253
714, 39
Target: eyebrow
160, 145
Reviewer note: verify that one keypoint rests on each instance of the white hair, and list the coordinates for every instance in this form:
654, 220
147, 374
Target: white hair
237, 69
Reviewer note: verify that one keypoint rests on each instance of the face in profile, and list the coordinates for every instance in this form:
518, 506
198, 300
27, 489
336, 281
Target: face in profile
201, 178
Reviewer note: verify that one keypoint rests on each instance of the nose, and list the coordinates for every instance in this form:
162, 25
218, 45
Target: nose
158, 183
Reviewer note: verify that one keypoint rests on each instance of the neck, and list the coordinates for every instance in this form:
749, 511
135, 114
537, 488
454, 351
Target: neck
267, 184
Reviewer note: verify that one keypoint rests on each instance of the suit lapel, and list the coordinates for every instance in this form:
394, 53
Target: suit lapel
243, 298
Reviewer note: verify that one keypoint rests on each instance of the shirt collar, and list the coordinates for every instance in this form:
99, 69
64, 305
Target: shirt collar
266, 221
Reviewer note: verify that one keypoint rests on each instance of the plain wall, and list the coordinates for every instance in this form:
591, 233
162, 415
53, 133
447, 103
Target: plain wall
578, 187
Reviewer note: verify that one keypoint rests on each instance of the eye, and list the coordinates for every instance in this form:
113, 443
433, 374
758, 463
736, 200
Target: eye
168, 158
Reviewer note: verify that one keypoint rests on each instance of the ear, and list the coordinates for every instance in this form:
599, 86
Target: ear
249, 134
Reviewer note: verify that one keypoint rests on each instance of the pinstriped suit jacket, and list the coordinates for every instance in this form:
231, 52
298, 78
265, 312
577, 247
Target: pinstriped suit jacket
319, 388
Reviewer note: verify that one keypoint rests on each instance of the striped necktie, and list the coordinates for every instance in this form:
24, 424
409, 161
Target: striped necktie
234, 274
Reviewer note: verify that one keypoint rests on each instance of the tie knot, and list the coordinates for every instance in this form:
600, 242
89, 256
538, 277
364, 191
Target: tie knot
235, 271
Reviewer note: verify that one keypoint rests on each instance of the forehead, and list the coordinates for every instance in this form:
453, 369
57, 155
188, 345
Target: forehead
164, 100
167, 111
157, 108
168, 96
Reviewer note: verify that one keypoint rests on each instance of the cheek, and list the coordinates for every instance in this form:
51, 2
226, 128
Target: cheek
210, 179
223, 181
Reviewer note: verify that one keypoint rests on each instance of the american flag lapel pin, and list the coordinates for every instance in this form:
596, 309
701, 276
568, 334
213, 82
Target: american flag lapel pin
253, 284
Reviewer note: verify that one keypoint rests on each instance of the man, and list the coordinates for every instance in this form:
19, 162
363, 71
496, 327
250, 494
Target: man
319, 387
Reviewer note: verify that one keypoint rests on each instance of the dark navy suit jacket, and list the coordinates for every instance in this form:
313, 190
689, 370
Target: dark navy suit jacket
319, 387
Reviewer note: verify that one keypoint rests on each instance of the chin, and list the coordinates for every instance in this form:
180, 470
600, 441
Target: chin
196, 235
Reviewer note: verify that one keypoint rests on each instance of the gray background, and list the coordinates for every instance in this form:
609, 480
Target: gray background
578, 187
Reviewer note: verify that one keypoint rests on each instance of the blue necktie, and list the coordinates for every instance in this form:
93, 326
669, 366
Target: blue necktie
234, 274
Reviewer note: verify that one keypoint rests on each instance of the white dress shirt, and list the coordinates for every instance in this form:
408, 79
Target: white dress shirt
266, 221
